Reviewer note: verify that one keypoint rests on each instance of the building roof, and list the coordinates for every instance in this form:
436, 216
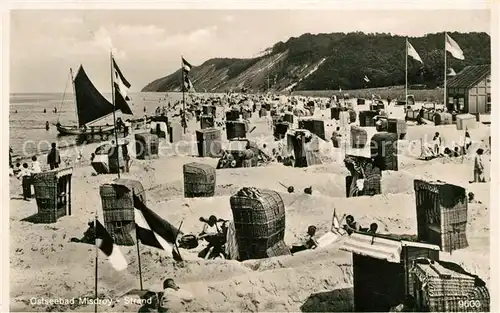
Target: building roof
381, 247
469, 76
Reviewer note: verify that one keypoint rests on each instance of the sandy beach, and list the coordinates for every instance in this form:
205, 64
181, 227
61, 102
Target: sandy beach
46, 265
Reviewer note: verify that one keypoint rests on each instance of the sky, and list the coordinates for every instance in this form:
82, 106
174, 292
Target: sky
148, 44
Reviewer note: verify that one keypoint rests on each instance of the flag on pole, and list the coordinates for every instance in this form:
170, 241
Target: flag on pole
106, 244
121, 86
154, 231
186, 66
188, 85
451, 72
366, 79
121, 83
413, 53
453, 47
335, 221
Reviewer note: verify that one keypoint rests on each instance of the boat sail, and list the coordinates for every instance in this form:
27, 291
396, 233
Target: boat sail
91, 106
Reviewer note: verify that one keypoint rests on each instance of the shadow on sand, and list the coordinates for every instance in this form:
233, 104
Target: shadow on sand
338, 300
35, 219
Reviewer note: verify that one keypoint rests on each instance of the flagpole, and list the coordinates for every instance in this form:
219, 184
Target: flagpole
406, 73
175, 241
96, 262
138, 257
183, 98
445, 104
114, 114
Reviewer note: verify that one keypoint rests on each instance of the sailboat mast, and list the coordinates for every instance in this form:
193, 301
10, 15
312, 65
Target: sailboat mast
114, 110
74, 94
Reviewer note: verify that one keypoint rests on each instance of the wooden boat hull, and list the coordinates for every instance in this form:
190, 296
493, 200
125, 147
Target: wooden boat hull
77, 131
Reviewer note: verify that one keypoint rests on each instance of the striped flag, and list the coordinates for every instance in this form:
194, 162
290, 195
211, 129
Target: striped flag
121, 86
154, 231
413, 53
453, 47
186, 66
121, 83
366, 79
106, 244
188, 85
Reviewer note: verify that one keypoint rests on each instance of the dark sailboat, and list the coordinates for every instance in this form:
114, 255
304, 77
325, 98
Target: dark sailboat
91, 107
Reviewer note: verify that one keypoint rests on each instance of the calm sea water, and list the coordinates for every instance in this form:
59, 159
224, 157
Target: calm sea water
27, 119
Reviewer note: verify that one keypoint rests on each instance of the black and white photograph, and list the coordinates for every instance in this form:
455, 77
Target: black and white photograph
320, 159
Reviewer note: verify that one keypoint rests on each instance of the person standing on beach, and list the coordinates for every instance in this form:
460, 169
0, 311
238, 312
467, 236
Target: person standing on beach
467, 142
479, 167
10, 157
25, 175
53, 158
437, 144
35, 166
126, 127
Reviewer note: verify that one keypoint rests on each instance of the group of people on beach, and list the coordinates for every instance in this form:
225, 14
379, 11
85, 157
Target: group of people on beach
26, 172
308, 240
215, 233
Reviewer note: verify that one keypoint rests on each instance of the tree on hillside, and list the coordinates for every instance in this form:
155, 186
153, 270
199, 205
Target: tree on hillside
349, 57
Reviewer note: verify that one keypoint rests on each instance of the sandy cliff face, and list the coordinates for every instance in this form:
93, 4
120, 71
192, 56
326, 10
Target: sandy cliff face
234, 74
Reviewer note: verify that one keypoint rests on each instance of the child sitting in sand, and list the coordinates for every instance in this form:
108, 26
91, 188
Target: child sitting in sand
213, 234
373, 228
88, 235
307, 241
351, 225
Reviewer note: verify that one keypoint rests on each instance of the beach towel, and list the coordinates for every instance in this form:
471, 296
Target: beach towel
327, 239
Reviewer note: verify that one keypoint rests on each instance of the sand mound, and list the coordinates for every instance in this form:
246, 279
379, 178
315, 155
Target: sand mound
45, 264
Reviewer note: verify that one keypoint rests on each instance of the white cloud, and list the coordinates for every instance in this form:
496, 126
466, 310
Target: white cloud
140, 31
201, 34
155, 38
102, 39
126, 38
122, 39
